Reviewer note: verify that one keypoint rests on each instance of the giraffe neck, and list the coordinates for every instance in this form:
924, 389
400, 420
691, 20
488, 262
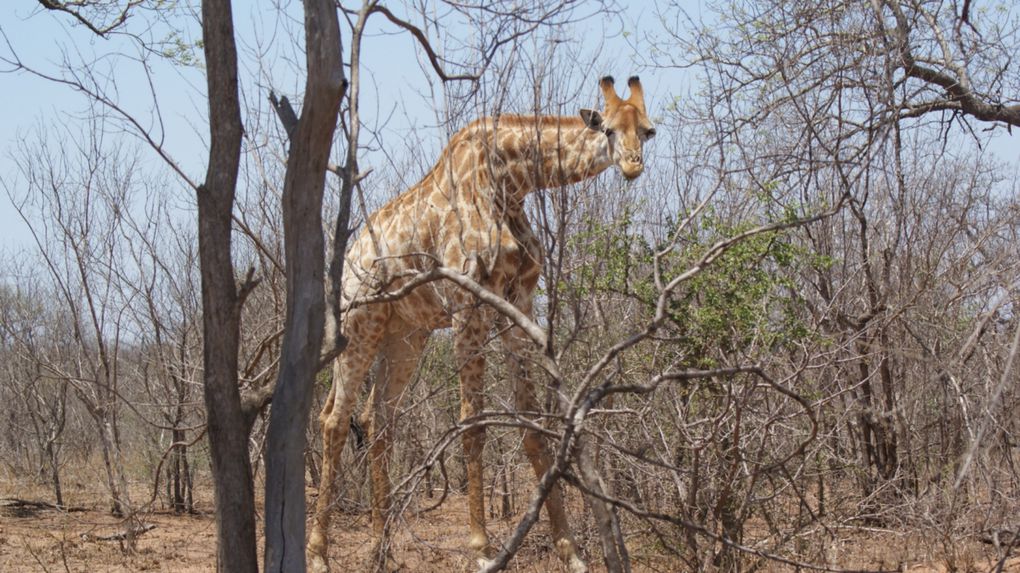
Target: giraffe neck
511, 156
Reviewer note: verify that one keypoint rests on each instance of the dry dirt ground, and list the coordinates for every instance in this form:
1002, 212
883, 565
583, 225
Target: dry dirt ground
45, 539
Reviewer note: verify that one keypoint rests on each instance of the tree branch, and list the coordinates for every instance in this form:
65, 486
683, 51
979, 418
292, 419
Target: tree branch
99, 30
423, 40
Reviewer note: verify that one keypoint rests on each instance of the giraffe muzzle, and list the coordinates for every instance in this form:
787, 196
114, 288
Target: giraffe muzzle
632, 166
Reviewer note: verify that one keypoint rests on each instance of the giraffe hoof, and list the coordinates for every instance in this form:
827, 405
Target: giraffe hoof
568, 553
481, 546
577, 565
317, 564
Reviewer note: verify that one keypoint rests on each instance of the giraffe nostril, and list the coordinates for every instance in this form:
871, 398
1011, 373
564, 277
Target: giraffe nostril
630, 170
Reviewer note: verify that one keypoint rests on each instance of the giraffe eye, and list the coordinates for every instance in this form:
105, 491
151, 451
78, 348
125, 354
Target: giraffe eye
609, 132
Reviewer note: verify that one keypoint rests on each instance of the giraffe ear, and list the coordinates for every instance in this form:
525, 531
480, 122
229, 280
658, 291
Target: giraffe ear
592, 119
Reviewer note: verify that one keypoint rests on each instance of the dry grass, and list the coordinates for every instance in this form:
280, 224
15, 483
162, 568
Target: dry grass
33, 539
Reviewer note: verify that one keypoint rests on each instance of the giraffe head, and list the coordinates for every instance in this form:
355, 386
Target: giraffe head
625, 125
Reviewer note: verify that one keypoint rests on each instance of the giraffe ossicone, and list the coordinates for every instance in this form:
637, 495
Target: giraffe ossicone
467, 214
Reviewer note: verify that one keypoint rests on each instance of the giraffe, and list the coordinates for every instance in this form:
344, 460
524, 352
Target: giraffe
467, 214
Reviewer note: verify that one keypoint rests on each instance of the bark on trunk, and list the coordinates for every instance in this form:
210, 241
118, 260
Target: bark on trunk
228, 435
304, 248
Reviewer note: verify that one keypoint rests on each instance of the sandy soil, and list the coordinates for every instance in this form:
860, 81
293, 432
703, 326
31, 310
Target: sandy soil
45, 539
33, 539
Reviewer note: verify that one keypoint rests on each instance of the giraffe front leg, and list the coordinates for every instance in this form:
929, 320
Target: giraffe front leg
519, 349
471, 330
334, 420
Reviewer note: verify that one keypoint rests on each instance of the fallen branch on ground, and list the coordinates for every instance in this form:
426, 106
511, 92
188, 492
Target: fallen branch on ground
121, 536
15, 503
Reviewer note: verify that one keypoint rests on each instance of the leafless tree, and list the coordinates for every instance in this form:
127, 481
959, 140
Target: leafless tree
75, 191
163, 286
37, 404
798, 326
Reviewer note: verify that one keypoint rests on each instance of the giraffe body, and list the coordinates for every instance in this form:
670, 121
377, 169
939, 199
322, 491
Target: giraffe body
466, 214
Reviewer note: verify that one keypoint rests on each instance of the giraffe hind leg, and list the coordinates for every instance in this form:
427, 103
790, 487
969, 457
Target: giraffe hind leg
364, 327
399, 354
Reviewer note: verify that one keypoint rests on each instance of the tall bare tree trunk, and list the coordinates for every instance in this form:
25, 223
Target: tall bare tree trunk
305, 320
228, 435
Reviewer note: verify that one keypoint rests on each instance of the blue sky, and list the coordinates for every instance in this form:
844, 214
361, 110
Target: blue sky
397, 91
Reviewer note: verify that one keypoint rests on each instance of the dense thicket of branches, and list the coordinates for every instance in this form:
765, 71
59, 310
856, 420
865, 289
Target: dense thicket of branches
799, 324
